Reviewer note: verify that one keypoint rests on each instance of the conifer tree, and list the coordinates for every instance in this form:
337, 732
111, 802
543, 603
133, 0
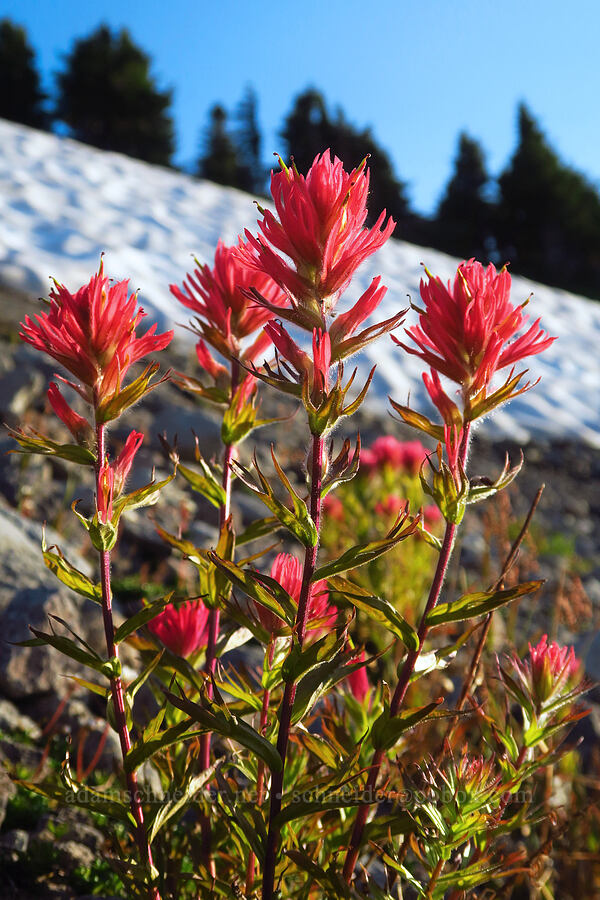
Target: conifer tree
219, 161
21, 97
309, 129
249, 143
108, 98
463, 223
549, 215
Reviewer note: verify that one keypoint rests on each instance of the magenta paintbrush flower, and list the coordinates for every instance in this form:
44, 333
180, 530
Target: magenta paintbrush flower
92, 334
183, 629
320, 227
467, 329
287, 570
358, 681
225, 315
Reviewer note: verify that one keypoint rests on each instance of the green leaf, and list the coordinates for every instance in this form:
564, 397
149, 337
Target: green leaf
299, 808
364, 553
319, 681
418, 421
478, 604
250, 584
183, 795
142, 751
141, 617
220, 720
45, 447
205, 484
301, 660
377, 608
259, 528
70, 576
69, 648
112, 407
144, 496
189, 550
387, 728
298, 521
232, 640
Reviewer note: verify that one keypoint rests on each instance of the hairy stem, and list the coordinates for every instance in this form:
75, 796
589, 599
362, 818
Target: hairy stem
508, 563
287, 704
214, 617
116, 686
260, 775
404, 678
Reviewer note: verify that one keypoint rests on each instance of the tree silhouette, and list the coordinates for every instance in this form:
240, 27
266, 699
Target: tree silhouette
252, 173
463, 222
219, 161
108, 98
549, 215
21, 97
309, 129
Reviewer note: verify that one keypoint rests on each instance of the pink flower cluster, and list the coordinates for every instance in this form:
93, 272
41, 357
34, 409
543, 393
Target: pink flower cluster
320, 227
404, 456
182, 628
287, 570
92, 333
467, 330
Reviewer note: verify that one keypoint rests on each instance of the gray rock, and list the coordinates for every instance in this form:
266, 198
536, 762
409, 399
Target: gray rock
28, 593
177, 420
74, 854
13, 843
12, 720
7, 790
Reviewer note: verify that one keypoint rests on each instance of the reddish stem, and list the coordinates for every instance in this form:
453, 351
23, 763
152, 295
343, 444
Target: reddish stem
260, 775
287, 704
116, 685
404, 678
214, 618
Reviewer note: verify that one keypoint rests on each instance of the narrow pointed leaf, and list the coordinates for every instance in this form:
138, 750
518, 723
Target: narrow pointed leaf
377, 608
478, 604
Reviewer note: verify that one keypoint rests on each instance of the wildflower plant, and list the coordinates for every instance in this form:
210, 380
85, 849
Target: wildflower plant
332, 743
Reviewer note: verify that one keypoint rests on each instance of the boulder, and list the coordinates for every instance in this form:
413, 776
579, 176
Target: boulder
29, 592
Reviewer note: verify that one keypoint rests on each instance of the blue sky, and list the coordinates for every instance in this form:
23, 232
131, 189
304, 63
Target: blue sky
416, 71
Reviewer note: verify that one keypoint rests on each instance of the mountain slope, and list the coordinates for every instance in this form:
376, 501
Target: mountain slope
63, 203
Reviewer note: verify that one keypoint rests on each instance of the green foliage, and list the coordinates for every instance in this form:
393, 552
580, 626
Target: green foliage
108, 98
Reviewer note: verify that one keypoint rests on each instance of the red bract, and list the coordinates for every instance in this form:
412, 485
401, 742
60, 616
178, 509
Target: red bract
92, 334
467, 330
225, 315
125, 458
358, 681
78, 426
547, 674
320, 228
182, 629
104, 500
556, 658
287, 571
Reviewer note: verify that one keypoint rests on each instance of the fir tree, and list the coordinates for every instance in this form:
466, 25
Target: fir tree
249, 144
108, 98
309, 129
463, 223
21, 97
549, 215
219, 161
